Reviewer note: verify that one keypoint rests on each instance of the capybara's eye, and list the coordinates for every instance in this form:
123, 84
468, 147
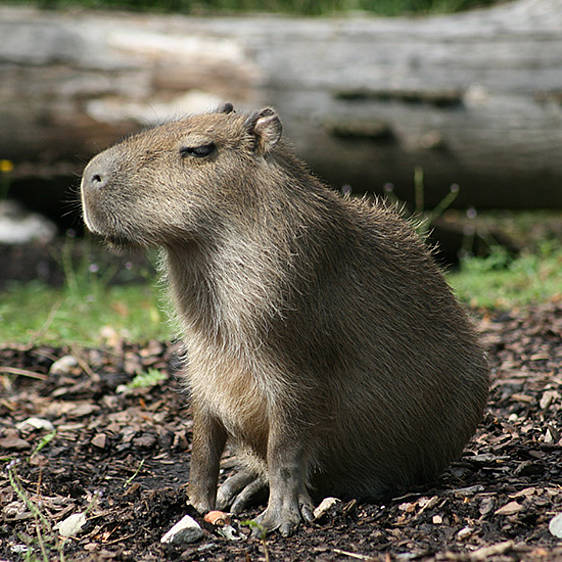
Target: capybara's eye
198, 151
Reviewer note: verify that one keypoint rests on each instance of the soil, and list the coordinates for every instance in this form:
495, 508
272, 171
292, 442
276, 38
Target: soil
122, 456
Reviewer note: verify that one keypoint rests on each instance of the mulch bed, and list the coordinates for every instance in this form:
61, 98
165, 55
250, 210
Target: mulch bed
122, 456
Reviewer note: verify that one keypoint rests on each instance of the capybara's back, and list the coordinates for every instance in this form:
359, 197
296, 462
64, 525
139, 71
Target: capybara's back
322, 339
405, 380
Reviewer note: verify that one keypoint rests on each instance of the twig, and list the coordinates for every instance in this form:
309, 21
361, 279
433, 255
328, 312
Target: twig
481, 554
23, 372
485, 552
353, 554
120, 539
84, 364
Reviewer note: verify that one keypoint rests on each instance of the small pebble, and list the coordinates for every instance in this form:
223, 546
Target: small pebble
548, 398
486, 505
99, 440
14, 443
464, 533
35, 423
63, 366
72, 525
229, 532
325, 506
510, 508
185, 531
555, 526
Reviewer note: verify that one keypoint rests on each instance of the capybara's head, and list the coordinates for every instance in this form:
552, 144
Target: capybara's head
168, 183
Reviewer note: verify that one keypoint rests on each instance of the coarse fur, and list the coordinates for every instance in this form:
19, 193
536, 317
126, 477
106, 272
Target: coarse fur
322, 339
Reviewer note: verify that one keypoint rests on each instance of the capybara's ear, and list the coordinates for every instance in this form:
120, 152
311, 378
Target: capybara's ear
266, 127
226, 107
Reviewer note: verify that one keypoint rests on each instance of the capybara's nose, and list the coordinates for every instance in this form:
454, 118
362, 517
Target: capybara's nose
99, 171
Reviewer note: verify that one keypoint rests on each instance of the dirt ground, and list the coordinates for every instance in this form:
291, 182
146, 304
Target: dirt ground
122, 457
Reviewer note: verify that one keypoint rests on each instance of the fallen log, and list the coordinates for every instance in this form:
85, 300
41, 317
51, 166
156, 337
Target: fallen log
472, 98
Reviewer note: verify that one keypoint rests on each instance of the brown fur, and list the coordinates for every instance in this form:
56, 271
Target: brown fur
322, 339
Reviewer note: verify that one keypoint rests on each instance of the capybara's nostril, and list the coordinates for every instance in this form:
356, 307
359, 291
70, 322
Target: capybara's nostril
97, 180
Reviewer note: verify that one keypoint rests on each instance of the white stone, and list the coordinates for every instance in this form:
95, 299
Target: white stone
555, 526
324, 506
186, 530
36, 423
229, 532
464, 533
72, 525
19, 549
63, 365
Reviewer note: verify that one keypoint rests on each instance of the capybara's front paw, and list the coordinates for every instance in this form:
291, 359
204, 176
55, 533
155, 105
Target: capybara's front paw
285, 516
201, 502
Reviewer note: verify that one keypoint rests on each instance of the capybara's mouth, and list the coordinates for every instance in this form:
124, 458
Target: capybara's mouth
119, 243
115, 241
99, 223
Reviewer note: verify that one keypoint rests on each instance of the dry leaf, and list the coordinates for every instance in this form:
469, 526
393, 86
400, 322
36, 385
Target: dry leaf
509, 509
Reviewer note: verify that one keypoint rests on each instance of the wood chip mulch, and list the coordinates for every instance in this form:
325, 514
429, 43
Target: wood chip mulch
121, 457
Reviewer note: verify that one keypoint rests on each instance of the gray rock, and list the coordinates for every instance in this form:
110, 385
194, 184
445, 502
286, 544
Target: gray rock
18, 226
185, 531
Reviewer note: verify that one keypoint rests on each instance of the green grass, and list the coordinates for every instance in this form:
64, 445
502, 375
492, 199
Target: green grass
147, 379
499, 282
35, 313
299, 7
87, 311
90, 308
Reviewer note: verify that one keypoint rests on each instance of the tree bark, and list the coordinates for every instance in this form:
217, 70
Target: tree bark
472, 98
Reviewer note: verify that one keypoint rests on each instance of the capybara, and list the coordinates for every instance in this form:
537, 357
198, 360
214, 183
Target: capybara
322, 340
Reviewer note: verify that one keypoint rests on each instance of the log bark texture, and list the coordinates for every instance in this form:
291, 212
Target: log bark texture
472, 98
